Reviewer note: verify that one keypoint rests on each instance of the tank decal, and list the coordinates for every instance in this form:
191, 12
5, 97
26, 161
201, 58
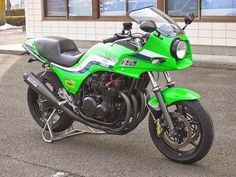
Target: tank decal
147, 55
142, 57
88, 63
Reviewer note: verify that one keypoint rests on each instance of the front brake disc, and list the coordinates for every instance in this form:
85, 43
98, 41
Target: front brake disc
172, 141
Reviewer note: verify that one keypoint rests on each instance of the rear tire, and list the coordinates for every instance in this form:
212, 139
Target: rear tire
64, 122
205, 139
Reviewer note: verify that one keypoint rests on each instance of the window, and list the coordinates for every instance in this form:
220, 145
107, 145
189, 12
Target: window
55, 8
118, 7
112, 7
80, 8
218, 8
137, 4
182, 7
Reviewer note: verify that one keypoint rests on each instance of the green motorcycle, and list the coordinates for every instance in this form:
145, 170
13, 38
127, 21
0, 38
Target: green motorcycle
106, 87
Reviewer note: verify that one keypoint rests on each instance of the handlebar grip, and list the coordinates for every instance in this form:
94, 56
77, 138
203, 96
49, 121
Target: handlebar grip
111, 39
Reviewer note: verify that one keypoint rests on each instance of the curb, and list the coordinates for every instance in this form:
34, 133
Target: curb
214, 65
11, 52
199, 64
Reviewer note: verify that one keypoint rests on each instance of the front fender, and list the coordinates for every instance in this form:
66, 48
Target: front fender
171, 95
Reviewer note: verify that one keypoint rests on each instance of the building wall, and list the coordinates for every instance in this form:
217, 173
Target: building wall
199, 33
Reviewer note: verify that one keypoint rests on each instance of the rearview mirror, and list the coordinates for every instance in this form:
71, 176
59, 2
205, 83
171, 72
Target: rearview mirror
148, 26
189, 18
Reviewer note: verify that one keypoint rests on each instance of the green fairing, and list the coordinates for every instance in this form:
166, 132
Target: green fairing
159, 45
174, 94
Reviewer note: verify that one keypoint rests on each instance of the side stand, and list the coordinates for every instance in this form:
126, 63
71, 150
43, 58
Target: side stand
49, 136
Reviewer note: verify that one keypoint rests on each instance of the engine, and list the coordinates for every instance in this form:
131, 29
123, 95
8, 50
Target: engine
99, 98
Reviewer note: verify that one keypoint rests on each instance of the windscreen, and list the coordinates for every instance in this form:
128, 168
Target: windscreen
165, 24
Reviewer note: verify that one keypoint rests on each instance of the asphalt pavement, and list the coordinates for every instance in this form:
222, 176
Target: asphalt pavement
23, 153
6, 61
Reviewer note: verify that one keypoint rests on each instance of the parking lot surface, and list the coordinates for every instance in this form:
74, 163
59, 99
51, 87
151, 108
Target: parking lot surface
24, 153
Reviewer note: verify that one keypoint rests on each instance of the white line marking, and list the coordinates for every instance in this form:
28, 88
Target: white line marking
90, 58
151, 54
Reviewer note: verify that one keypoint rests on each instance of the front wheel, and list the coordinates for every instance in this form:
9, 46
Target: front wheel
194, 132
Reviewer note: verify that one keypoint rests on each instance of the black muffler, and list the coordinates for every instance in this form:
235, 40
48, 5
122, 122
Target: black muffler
35, 83
39, 87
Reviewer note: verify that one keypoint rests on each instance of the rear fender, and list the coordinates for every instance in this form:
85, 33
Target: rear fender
171, 95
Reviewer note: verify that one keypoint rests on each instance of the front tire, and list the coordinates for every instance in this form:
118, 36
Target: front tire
194, 129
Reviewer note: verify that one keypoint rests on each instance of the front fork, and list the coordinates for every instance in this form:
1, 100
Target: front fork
157, 91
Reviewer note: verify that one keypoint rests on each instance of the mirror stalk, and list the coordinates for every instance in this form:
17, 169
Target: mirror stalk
184, 27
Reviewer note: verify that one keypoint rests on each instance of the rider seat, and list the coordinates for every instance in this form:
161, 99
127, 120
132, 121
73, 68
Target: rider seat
59, 50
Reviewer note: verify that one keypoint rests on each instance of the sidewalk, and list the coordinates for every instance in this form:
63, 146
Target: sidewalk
214, 61
203, 61
11, 40
12, 36
11, 43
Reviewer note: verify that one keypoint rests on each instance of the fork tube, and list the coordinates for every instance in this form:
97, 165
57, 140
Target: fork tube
169, 81
157, 92
167, 76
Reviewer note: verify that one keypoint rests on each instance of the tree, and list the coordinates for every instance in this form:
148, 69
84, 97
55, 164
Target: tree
2, 12
8, 4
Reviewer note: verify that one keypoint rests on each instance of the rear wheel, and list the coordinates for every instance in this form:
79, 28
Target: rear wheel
40, 108
194, 132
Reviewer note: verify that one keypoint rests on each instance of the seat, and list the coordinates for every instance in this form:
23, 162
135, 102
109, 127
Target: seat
59, 50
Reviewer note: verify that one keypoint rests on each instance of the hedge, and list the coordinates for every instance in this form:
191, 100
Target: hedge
2, 22
15, 12
16, 20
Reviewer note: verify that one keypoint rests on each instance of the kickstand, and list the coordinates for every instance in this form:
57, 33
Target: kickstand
49, 136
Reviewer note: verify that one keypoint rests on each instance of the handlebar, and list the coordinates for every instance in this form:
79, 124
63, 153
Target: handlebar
111, 39
120, 36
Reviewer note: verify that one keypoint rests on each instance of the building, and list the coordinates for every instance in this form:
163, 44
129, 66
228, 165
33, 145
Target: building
17, 4
90, 21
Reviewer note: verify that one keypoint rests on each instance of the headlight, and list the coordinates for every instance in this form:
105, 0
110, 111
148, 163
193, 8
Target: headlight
179, 49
